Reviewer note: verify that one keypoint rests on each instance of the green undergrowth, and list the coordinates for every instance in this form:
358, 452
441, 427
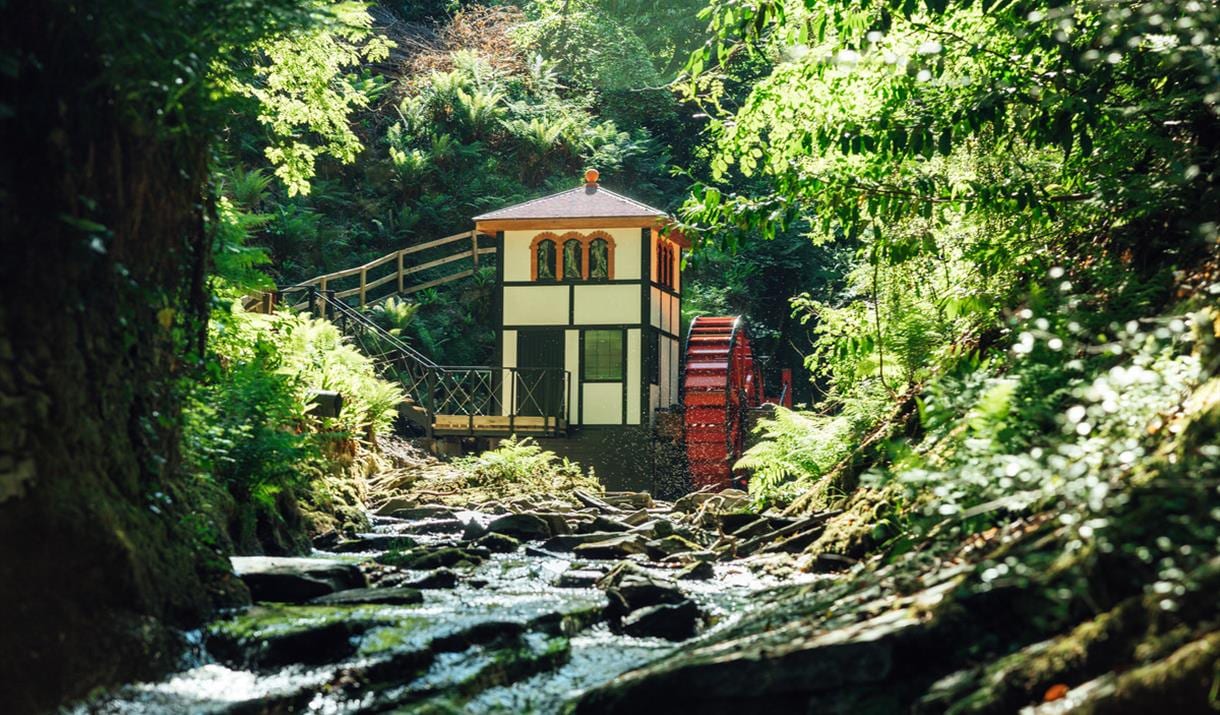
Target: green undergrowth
276, 471
519, 468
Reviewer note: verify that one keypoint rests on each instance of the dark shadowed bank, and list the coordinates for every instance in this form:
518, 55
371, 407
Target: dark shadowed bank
102, 307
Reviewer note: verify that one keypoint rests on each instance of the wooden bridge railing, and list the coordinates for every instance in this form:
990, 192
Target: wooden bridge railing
391, 269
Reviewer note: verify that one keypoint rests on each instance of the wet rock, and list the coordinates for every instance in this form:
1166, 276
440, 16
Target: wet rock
392, 596
558, 523
312, 645
698, 571
692, 501
422, 560
327, 540
616, 547
793, 537
395, 504
630, 588
427, 511
636, 518
727, 500
672, 621
374, 542
527, 527
568, 542
592, 501
670, 546
732, 523
440, 578
294, 580
783, 664
603, 524
579, 578
692, 556
498, 543
439, 525
473, 530
628, 500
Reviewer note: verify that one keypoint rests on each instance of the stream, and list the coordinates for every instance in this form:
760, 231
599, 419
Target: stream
481, 625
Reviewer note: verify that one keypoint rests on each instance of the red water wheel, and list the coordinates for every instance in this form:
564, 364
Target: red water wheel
719, 383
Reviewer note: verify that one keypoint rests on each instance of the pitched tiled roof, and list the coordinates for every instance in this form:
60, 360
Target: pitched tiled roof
589, 201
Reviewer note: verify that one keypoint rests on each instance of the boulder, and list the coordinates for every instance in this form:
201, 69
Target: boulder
630, 588
294, 580
578, 578
691, 556
396, 504
593, 501
628, 500
671, 621
309, 645
558, 523
636, 518
616, 547
670, 546
427, 511
497, 543
692, 501
601, 523
698, 571
419, 559
438, 525
730, 523
473, 530
373, 542
568, 542
438, 578
527, 527
393, 596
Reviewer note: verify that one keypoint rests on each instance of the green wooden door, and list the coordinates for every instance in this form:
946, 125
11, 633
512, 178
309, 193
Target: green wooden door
539, 388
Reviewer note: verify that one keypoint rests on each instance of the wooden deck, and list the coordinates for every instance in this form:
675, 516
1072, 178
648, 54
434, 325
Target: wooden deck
495, 425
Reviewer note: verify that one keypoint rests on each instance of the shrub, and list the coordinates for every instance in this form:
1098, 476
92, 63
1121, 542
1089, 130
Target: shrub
521, 466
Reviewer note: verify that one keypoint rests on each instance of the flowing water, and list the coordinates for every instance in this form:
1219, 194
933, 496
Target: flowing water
504, 638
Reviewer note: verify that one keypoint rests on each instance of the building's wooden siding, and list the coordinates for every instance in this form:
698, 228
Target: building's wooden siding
571, 363
536, 305
635, 362
607, 304
602, 403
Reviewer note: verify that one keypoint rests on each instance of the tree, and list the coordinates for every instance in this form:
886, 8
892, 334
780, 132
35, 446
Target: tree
105, 210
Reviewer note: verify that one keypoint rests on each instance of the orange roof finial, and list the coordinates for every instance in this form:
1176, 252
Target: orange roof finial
591, 176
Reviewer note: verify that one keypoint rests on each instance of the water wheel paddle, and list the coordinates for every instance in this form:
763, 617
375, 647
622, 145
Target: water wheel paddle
720, 382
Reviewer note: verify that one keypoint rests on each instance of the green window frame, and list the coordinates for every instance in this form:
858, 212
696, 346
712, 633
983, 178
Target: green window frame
602, 358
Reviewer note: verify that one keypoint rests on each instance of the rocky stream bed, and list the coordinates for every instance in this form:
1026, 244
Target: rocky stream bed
524, 605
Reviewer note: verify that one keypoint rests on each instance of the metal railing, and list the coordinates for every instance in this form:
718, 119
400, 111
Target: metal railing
459, 390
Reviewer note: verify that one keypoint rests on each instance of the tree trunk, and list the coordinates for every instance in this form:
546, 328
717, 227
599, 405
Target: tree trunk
102, 258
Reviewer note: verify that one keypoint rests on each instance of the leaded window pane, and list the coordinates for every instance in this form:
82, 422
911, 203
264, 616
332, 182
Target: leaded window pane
599, 258
546, 260
573, 267
603, 355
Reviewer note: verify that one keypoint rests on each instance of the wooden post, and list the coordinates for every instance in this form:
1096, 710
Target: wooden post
400, 276
474, 247
364, 274
322, 303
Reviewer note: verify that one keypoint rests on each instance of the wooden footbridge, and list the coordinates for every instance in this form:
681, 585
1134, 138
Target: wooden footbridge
442, 400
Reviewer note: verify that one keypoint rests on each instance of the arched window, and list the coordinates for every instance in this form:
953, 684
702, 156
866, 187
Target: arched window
599, 259
545, 260
573, 259
665, 263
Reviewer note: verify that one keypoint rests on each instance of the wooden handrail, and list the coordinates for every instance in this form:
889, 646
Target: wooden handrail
398, 272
